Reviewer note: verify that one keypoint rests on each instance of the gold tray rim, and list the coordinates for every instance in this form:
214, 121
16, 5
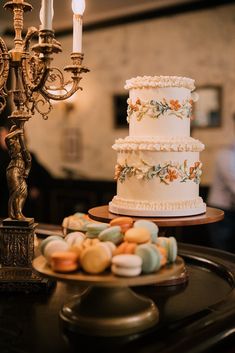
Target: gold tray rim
169, 272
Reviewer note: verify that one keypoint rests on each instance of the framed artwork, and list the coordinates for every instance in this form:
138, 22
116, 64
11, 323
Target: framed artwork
120, 110
71, 145
207, 110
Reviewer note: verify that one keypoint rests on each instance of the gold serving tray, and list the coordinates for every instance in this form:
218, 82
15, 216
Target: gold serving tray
109, 307
169, 273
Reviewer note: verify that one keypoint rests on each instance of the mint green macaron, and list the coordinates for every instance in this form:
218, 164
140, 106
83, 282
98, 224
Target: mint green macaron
151, 258
94, 229
170, 244
112, 234
172, 249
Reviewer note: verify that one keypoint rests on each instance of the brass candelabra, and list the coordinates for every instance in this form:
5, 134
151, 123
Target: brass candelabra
35, 83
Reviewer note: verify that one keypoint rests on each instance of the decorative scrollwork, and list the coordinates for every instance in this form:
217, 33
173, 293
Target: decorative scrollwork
34, 70
42, 105
3, 101
4, 64
56, 78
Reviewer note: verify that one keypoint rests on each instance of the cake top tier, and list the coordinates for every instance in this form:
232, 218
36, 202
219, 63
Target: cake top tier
160, 81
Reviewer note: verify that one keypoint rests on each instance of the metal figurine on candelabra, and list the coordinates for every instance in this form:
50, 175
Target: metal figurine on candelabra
35, 84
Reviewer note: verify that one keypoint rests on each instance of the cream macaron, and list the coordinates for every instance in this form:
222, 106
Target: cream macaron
126, 265
74, 238
55, 246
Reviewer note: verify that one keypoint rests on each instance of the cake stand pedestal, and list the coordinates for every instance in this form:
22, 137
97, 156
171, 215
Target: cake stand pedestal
212, 215
109, 307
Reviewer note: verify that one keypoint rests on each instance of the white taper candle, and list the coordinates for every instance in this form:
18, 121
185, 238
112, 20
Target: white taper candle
78, 7
46, 14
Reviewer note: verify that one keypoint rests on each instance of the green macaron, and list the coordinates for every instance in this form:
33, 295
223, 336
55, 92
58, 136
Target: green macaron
151, 259
112, 234
94, 229
172, 249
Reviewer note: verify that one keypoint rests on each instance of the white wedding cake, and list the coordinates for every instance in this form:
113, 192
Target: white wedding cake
158, 168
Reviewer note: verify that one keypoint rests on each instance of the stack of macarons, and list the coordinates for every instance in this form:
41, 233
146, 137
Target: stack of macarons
124, 246
76, 222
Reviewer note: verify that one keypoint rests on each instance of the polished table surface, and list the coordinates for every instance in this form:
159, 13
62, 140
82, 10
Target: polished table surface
197, 316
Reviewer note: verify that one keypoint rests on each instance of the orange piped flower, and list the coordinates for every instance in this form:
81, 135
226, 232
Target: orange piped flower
175, 104
191, 170
118, 169
172, 175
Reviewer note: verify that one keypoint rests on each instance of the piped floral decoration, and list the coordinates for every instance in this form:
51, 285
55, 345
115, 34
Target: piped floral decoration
167, 173
155, 109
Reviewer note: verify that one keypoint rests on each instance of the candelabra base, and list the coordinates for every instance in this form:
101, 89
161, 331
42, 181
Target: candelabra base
16, 256
16, 279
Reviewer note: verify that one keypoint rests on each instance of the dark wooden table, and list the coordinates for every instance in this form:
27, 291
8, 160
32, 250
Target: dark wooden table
197, 316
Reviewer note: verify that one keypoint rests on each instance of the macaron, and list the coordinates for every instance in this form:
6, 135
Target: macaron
126, 265
151, 226
64, 261
74, 223
163, 241
55, 246
125, 248
110, 245
95, 259
112, 234
124, 222
172, 249
89, 242
137, 235
163, 253
151, 257
74, 237
170, 244
94, 229
48, 240
78, 248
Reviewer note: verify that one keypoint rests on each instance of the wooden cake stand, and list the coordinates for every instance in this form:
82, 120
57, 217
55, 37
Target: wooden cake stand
212, 215
109, 307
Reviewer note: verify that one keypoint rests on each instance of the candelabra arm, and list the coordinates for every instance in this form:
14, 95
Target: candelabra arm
66, 95
35, 70
32, 31
76, 69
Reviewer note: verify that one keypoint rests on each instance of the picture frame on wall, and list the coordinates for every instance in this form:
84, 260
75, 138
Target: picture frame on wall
207, 110
120, 110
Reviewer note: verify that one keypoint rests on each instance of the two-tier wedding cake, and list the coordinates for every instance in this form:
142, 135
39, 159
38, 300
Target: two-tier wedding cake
158, 168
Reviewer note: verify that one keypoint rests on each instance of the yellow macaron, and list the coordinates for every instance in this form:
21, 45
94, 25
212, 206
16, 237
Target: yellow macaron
137, 235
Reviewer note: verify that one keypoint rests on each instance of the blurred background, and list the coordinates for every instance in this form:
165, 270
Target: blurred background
123, 39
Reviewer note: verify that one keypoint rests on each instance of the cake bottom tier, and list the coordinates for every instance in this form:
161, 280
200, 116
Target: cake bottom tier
158, 183
145, 208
